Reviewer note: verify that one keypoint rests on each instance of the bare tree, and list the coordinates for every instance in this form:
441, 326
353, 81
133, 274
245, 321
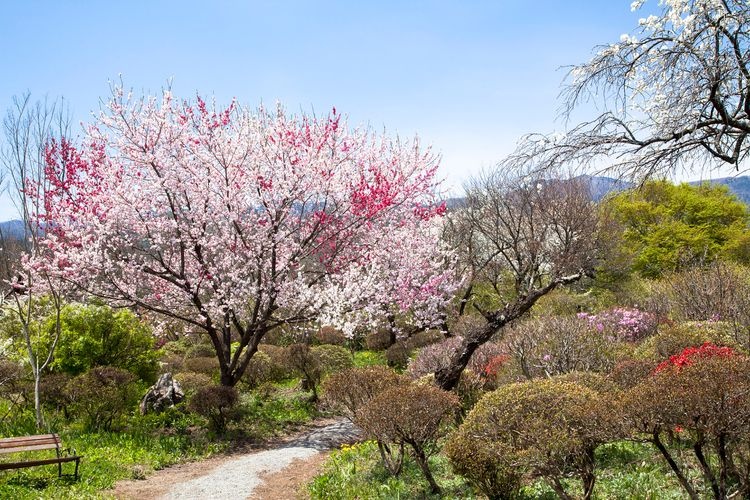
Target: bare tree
675, 96
523, 237
28, 128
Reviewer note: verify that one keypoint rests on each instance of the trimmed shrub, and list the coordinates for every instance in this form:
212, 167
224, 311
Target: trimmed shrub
101, 396
259, 370
698, 400
413, 415
202, 350
281, 368
545, 428
675, 339
216, 403
626, 324
379, 340
424, 338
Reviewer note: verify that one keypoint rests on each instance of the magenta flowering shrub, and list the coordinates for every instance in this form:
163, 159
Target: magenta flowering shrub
622, 323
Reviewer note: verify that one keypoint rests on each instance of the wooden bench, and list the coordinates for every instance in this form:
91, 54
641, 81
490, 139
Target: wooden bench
32, 443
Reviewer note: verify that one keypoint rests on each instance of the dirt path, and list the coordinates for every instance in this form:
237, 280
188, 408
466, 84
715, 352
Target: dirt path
277, 472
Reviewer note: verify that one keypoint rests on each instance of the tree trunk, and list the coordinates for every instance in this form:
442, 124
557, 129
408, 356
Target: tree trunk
38, 400
422, 461
447, 377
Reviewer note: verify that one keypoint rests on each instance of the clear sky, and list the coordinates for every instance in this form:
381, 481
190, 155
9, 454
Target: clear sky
469, 77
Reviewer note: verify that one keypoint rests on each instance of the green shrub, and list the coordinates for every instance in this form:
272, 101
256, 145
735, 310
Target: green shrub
97, 335
101, 396
191, 382
216, 403
672, 340
545, 428
333, 358
202, 350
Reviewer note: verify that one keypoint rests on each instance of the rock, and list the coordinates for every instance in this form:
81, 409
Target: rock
165, 393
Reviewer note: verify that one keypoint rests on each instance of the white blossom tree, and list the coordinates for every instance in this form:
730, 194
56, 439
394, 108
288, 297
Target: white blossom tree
675, 95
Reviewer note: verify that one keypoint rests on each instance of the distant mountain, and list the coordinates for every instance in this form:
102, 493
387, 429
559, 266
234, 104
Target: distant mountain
599, 187
740, 186
13, 229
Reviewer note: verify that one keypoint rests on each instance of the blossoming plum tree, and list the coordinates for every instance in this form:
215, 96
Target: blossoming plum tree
238, 221
675, 94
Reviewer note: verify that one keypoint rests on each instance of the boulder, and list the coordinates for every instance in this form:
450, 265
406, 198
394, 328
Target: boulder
165, 393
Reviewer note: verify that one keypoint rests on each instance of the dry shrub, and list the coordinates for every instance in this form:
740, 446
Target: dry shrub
433, 357
410, 415
351, 389
378, 340
331, 335
545, 428
258, 370
216, 403
53, 392
279, 357
631, 372
549, 346
397, 355
206, 365
304, 361
698, 400
101, 396
424, 338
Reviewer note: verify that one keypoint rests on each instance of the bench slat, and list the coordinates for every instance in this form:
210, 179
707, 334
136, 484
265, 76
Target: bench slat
42, 438
31, 447
32, 463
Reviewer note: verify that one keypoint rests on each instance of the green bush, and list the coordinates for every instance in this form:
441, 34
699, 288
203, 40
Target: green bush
191, 382
97, 335
333, 358
102, 396
208, 365
544, 428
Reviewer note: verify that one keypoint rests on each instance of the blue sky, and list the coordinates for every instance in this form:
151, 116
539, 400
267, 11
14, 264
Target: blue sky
469, 77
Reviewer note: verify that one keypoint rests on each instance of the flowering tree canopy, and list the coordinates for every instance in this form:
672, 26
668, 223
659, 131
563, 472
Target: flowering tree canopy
238, 221
675, 94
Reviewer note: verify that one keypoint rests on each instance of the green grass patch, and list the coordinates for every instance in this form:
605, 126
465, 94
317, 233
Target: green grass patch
369, 358
357, 472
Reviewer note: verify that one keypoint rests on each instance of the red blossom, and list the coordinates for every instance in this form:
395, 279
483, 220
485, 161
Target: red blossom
690, 355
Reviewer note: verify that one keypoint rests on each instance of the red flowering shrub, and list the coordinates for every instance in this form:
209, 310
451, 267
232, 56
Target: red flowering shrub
690, 354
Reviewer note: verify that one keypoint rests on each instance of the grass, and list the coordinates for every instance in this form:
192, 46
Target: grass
147, 443
627, 470
369, 358
357, 472
107, 458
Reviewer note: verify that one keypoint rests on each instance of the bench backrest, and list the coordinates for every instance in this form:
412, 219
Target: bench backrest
29, 443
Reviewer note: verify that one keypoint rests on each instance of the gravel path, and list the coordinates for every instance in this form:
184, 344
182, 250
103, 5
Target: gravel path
238, 477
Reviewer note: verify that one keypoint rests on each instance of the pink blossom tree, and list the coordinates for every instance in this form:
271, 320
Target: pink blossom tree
238, 221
